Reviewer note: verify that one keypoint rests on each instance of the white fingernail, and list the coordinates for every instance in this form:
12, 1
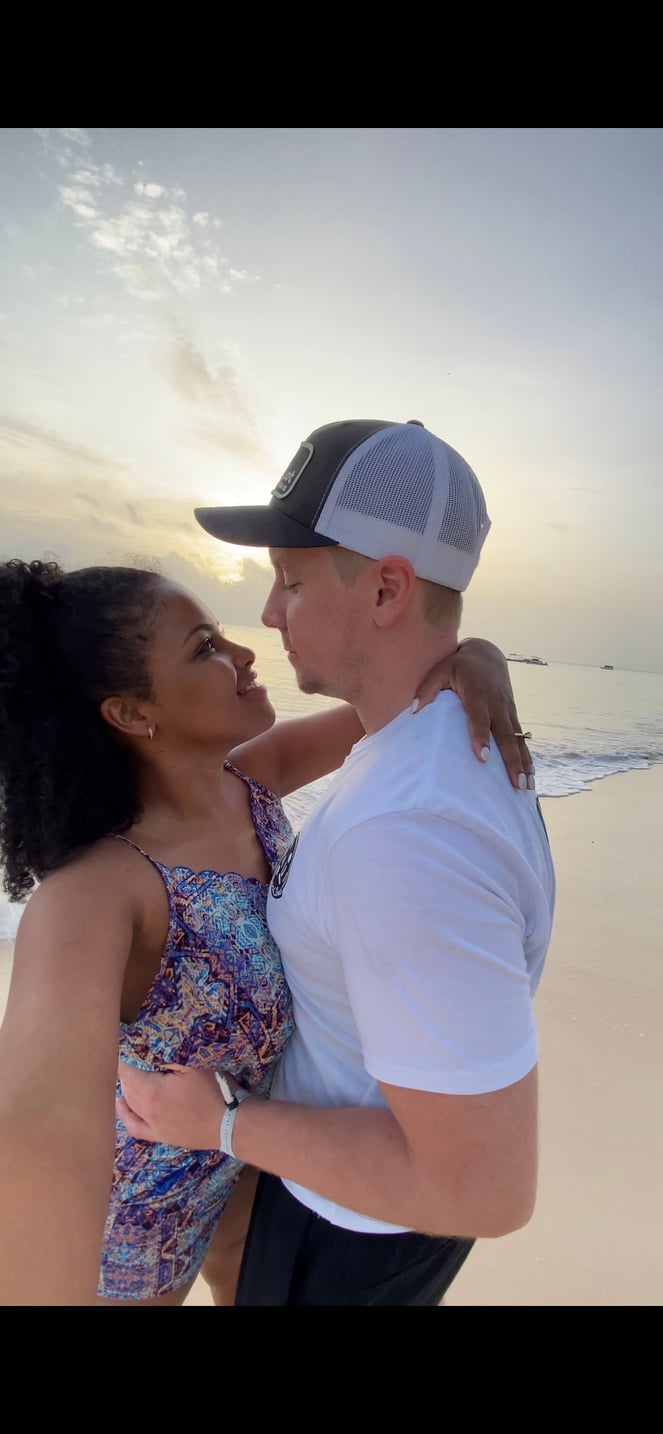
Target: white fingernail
531, 784
522, 782
484, 754
415, 705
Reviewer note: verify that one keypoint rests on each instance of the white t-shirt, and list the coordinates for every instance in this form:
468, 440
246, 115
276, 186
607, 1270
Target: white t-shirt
413, 913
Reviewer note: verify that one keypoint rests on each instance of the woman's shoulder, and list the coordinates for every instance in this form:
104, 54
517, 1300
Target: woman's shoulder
107, 868
85, 911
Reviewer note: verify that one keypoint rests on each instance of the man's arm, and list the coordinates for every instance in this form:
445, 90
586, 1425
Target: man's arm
443, 1165
439, 1164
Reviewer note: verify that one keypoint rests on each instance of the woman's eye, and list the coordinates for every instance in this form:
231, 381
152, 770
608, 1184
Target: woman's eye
207, 645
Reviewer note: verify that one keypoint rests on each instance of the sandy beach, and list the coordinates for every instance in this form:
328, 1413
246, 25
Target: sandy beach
595, 1237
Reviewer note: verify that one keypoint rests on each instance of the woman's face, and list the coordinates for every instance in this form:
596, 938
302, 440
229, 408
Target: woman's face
205, 688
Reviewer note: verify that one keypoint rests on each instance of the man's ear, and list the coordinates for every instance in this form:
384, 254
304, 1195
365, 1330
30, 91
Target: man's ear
395, 586
125, 715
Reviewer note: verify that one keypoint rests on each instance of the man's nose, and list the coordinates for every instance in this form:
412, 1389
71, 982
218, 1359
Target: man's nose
272, 613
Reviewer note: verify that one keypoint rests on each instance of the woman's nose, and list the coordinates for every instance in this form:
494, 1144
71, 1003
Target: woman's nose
243, 656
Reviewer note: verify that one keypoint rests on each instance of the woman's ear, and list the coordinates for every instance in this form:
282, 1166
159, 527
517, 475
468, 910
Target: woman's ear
395, 587
125, 716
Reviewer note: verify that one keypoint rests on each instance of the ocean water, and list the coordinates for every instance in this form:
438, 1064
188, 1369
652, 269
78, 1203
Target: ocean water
587, 723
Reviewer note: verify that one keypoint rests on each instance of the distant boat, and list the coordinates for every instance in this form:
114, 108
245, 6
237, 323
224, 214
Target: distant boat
607, 667
515, 657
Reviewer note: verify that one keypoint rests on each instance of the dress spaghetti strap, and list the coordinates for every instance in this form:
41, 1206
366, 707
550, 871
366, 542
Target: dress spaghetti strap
116, 836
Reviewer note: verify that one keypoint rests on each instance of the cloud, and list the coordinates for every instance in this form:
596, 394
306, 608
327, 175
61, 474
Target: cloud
102, 321
151, 191
160, 248
216, 393
70, 136
32, 437
239, 445
193, 377
149, 241
80, 200
235, 603
66, 499
75, 136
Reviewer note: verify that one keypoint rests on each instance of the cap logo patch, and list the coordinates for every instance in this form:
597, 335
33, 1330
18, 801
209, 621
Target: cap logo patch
293, 474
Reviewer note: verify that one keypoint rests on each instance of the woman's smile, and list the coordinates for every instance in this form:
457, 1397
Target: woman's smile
252, 689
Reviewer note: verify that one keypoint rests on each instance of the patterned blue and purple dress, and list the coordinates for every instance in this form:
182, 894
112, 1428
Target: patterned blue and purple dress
219, 1000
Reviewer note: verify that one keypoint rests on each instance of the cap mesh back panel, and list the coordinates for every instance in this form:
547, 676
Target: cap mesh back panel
465, 512
367, 490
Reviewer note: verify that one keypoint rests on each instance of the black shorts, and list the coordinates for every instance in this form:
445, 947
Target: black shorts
295, 1257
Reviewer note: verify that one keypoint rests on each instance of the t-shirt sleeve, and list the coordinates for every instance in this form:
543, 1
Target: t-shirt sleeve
430, 921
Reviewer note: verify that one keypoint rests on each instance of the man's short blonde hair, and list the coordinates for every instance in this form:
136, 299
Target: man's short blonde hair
442, 607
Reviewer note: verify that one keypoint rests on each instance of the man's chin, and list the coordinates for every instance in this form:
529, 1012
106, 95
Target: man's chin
308, 684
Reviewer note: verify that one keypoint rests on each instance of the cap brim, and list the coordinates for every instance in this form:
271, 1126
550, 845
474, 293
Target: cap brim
259, 528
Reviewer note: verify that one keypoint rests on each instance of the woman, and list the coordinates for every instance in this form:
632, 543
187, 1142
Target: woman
141, 773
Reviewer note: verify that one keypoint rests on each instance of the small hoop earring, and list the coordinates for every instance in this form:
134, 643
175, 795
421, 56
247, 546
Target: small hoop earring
150, 733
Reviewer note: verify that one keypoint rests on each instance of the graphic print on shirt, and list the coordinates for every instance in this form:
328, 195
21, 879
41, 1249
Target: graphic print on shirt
282, 871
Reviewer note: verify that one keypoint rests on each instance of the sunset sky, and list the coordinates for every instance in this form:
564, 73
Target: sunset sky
179, 308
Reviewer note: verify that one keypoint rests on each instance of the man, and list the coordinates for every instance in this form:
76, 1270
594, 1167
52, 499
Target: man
413, 910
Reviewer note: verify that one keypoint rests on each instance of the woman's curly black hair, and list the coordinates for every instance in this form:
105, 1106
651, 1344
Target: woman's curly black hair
67, 641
